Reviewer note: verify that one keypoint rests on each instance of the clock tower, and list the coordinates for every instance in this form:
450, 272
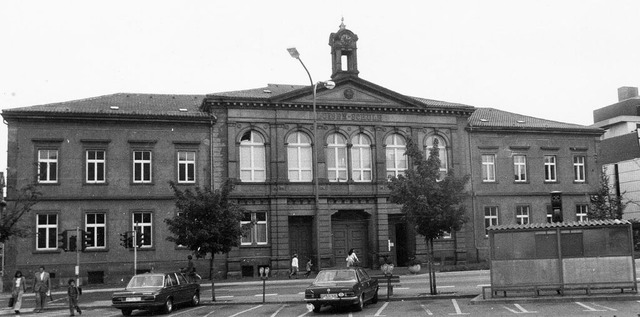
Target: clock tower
343, 52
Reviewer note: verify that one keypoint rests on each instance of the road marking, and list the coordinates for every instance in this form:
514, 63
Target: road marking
426, 310
522, 310
272, 294
605, 307
588, 307
381, 309
483, 285
244, 311
397, 288
279, 309
458, 311
446, 286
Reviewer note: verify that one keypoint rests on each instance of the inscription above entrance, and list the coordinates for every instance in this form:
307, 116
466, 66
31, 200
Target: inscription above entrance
343, 116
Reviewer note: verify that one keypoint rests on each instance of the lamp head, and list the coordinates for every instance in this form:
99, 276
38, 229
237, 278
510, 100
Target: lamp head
293, 52
329, 84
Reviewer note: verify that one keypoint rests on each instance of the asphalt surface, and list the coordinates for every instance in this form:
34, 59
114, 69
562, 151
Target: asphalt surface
467, 284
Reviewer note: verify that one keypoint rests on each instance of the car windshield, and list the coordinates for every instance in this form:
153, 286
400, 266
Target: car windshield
336, 276
146, 281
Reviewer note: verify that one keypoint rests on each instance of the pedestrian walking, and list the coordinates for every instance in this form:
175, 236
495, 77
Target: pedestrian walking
352, 258
42, 288
294, 266
190, 271
74, 293
18, 289
309, 265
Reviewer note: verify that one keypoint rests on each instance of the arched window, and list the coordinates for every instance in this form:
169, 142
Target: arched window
299, 158
336, 158
252, 157
396, 161
438, 142
361, 158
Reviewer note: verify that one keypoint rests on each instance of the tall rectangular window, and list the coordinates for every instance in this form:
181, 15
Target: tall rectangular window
581, 212
47, 166
579, 169
490, 217
522, 215
550, 168
520, 168
142, 166
255, 228
186, 167
47, 232
96, 227
95, 166
143, 225
488, 168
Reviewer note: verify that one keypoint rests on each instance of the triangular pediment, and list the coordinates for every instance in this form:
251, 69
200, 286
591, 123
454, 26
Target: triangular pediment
351, 91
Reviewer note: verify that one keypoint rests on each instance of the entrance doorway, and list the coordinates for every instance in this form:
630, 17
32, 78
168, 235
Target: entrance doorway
398, 235
349, 229
300, 240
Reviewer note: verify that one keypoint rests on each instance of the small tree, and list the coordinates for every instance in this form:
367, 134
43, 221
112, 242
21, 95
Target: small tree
207, 222
12, 211
606, 203
433, 205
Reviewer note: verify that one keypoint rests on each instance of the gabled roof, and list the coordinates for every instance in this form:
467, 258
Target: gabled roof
490, 119
553, 225
374, 96
120, 104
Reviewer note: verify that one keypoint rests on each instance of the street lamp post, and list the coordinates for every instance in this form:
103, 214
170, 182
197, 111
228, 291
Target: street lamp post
329, 85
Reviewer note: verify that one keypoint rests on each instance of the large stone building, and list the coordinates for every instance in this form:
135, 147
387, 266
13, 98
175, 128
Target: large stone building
620, 150
103, 165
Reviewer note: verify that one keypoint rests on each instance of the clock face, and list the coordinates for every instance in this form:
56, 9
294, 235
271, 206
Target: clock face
345, 38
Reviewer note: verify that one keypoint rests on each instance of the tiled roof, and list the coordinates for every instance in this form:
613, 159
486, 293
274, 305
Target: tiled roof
438, 103
553, 225
272, 90
124, 104
494, 118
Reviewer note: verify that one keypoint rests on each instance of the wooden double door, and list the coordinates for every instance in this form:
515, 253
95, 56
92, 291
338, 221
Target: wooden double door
350, 234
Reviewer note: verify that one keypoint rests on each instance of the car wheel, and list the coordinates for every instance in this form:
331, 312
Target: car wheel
316, 308
195, 300
126, 312
374, 299
360, 304
168, 305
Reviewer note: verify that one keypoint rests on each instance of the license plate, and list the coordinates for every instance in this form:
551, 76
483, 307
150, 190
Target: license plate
133, 299
327, 296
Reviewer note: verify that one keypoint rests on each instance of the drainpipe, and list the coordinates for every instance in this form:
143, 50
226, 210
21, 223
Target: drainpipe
212, 120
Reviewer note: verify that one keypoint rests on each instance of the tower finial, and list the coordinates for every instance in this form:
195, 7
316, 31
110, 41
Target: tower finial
342, 26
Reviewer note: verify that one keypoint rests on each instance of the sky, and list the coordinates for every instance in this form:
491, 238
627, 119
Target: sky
556, 60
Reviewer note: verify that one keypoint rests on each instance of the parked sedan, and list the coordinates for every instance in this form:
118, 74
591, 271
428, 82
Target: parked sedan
156, 291
342, 287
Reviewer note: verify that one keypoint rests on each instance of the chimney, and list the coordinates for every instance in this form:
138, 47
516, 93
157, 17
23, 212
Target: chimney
625, 93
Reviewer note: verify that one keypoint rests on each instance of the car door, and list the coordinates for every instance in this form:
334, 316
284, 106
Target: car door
365, 283
184, 288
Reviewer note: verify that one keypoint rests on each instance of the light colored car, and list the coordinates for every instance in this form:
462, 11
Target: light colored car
342, 287
156, 291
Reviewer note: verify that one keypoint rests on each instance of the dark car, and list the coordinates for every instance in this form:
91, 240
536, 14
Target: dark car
156, 291
342, 287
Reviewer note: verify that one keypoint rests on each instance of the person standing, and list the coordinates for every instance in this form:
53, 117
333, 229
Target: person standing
352, 258
42, 287
19, 287
190, 271
294, 266
309, 265
73, 292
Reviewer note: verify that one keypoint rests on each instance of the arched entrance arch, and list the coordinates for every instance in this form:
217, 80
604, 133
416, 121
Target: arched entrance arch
349, 230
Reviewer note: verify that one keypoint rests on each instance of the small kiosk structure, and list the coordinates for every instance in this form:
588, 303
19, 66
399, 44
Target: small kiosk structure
562, 256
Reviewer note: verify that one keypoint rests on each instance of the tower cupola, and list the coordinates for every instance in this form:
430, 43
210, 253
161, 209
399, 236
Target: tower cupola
343, 52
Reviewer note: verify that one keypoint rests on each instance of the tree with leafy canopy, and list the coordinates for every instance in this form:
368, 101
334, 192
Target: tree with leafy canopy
13, 210
207, 222
433, 205
606, 203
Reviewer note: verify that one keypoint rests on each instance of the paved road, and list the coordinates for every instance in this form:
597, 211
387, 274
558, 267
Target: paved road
457, 296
